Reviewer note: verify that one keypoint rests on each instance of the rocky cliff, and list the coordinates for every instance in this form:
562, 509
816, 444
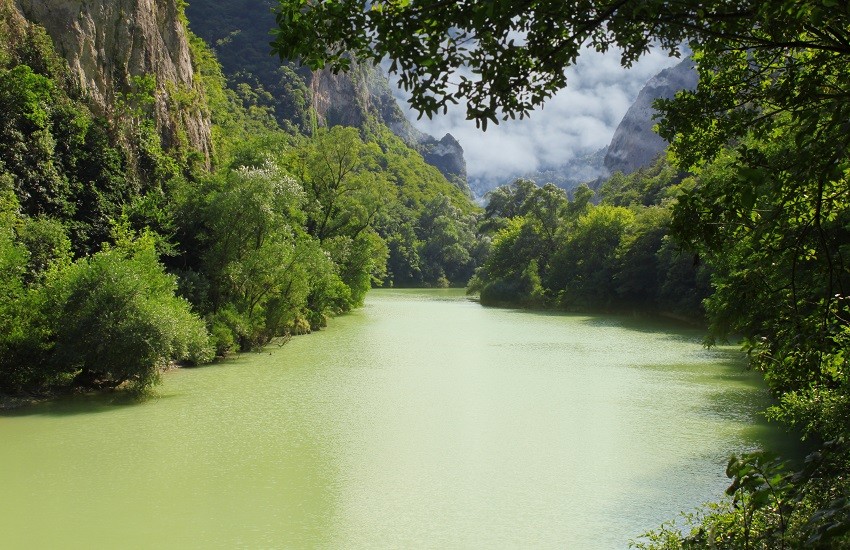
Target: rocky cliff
107, 43
634, 143
238, 30
447, 156
350, 99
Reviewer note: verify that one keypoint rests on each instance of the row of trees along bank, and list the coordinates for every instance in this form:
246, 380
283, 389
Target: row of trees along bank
120, 255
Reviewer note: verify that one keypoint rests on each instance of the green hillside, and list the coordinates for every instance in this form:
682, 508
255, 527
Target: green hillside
114, 245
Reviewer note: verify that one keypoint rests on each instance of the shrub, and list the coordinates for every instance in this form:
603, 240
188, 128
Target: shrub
118, 320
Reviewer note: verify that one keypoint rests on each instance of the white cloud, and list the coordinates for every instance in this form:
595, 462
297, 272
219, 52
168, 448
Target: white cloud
577, 120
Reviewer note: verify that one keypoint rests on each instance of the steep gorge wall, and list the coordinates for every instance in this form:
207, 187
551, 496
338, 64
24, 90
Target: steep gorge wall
108, 42
634, 144
348, 99
238, 31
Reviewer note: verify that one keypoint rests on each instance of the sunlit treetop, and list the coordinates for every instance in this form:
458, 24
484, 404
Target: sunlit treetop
506, 57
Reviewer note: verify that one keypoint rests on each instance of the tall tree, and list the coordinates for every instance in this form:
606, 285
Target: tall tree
345, 195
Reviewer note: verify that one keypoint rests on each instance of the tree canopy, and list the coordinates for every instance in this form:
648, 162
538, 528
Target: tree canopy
121, 253
505, 58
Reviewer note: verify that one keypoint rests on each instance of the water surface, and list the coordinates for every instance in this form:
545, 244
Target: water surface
420, 420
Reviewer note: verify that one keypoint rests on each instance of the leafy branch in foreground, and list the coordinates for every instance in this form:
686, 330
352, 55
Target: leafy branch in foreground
769, 506
506, 58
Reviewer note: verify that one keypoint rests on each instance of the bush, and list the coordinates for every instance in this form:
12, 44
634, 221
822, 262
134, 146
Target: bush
118, 320
521, 289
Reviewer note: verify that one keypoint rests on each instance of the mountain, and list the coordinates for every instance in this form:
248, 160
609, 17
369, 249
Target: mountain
238, 31
634, 144
446, 155
569, 175
108, 44
355, 97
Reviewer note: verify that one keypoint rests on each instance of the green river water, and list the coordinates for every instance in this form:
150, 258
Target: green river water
421, 420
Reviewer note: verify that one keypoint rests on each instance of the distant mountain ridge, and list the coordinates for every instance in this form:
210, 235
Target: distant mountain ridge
569, 175
634, 144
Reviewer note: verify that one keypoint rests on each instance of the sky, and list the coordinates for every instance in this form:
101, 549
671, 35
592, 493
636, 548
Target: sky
579, 119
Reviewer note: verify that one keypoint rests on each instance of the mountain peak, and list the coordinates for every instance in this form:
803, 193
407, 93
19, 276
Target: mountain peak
634, 144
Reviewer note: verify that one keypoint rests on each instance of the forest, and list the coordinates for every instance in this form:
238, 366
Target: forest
609, 250
122, 253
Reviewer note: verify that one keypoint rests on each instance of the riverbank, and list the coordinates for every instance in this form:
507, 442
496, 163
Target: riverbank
9, 402
694, 322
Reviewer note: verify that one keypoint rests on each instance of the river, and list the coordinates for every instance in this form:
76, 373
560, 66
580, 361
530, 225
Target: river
421, 420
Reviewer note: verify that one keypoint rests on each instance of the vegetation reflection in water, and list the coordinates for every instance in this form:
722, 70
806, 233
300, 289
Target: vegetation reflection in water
420, 420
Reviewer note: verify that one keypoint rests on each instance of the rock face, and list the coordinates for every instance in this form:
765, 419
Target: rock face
239, 33
447, 156
108, 42
634, 144
350, 99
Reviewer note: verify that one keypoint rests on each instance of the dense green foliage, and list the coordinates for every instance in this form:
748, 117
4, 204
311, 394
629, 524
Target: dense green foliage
120, 255
102, 227
76, 309
238, 33
765, 135
617, 255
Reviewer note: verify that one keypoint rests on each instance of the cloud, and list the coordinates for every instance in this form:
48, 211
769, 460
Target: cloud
577, 120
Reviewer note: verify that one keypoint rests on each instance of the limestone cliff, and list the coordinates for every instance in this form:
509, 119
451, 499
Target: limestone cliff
634, 144
350, 99
239, 34
108, 42
447, 156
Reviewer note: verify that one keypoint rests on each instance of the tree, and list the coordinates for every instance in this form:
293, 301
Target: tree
638, 267
577, 207
583, 267
447, 243
511, 273
27, 102
345, 193
505, 58
117, 319
508, 201
259, 259
545, 205
104, 320
777, 239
